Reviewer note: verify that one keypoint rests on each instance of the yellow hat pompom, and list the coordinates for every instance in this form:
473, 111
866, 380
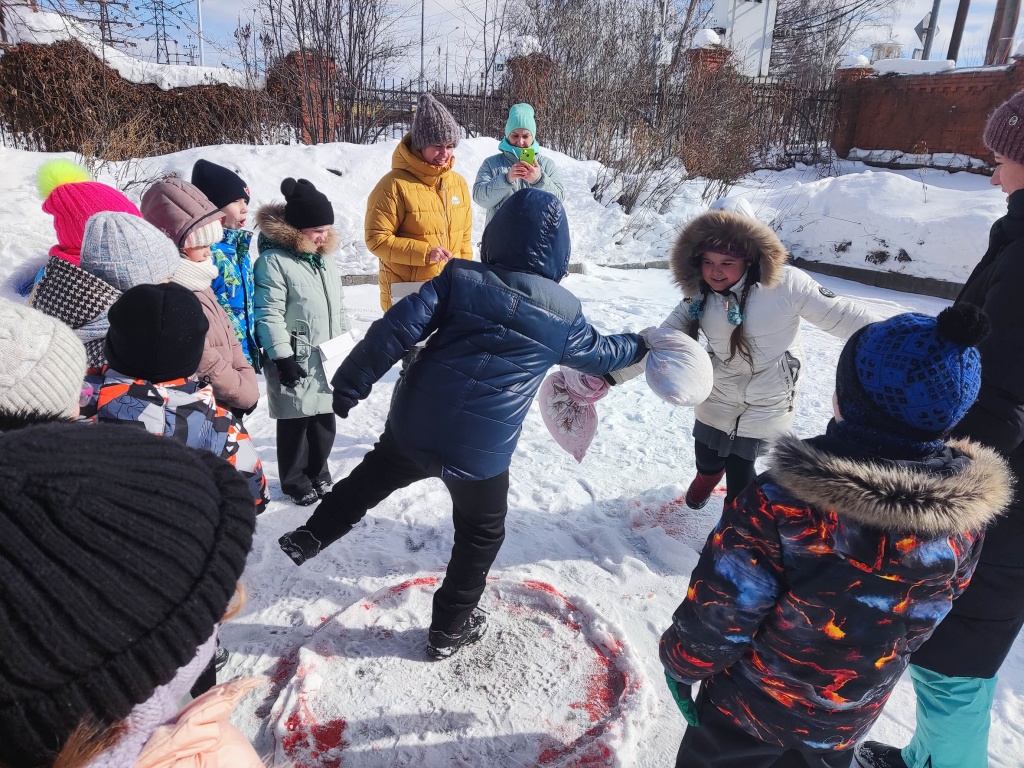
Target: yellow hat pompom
57, 172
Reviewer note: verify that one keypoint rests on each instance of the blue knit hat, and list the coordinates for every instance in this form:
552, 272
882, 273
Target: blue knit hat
913, 375
521, 116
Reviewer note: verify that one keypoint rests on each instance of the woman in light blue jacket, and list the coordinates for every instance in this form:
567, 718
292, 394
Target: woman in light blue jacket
505, 173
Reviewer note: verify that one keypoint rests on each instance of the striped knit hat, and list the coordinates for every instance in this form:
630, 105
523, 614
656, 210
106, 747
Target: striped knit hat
42, 364
119, 553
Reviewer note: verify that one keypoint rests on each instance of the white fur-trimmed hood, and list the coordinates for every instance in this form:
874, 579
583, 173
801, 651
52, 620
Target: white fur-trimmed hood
896, 497
728, 229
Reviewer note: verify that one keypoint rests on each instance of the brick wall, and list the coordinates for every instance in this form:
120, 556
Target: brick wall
921, 114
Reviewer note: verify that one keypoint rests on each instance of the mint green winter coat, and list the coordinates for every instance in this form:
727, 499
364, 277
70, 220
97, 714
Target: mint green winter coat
299, 305
492, 187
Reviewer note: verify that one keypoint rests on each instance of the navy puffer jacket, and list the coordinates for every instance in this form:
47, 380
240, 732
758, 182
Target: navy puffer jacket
495, 329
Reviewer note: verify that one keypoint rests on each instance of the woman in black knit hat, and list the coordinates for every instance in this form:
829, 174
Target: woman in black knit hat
120, 553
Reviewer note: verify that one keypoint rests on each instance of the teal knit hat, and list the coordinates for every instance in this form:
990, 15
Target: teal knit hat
521, 116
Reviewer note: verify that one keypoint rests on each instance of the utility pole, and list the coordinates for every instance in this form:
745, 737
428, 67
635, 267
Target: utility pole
1004, 24
199, 18
958, 29
933, 25
423, 12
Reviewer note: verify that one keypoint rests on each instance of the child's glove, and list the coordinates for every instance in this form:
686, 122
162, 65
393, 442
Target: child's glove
289, 371
684, 700
342, 403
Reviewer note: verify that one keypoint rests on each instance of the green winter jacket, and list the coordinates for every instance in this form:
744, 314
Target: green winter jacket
298, 305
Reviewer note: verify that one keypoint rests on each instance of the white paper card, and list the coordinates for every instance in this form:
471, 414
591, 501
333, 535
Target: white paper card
400, 290
333, 351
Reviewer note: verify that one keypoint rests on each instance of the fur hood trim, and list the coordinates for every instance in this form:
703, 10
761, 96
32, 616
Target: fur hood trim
270, 220
732, 229
896, 497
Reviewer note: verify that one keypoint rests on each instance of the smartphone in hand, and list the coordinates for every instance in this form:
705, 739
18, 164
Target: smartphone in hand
528, 155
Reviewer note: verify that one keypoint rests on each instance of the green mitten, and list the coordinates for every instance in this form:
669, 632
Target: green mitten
684, 700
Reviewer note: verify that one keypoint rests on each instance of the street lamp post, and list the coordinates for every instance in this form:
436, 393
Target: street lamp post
423, 6
447, 42
199, 18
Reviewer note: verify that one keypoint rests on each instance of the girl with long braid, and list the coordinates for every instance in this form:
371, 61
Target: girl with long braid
740, 293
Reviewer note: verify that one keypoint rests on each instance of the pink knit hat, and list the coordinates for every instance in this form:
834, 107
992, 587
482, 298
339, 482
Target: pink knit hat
71, 198
1004, 131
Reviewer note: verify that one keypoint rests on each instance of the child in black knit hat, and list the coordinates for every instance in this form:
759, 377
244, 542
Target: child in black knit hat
120, 554
154, 345
299, 305
233, 286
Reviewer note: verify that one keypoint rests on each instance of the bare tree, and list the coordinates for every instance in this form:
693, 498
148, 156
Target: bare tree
812, 35
329, 56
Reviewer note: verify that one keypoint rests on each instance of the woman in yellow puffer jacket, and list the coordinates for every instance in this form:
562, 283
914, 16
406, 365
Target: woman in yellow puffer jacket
419, 215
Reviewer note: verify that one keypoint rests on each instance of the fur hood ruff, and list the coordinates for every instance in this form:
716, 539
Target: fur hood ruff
727, 229
896, 497
271, 223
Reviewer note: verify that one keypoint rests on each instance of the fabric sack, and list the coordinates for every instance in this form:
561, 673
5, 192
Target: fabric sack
567, 400
678, 368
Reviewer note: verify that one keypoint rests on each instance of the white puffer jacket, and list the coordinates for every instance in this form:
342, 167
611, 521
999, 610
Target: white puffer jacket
756, 398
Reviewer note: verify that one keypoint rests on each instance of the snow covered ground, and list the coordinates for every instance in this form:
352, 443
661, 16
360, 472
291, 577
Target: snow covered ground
597, 554
596, 558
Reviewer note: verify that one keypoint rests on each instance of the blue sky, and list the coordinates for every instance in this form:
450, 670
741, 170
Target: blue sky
453, 28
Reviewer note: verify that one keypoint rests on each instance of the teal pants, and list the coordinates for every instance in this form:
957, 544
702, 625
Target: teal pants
953, 718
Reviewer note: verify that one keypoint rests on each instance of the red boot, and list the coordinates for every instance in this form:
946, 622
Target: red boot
700, 489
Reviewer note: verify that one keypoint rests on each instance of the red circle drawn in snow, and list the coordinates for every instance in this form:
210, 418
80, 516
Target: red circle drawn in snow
310, 744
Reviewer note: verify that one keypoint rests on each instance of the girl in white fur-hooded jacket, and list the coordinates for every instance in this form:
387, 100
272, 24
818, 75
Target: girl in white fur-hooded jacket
740, 293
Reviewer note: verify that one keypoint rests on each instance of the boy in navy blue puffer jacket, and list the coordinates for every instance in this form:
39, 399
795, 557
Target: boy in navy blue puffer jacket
494, 330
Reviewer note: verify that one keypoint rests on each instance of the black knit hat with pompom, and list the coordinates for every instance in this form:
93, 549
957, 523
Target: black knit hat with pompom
913, 374
119, 552
305, 206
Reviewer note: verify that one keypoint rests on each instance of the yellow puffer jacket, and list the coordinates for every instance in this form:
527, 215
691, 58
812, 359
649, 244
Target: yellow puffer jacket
413, 208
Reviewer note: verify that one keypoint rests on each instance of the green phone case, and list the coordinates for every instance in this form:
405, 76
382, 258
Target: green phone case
527, 154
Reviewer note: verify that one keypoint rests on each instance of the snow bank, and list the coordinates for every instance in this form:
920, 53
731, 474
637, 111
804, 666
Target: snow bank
854, 60
939, 220
706, 38
43, 28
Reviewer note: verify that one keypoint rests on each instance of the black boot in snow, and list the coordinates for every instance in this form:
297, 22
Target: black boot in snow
300, 545
875, 754
441, 645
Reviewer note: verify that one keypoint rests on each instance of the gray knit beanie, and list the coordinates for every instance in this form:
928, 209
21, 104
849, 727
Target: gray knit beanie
42, 363
125, 251
433, 124
1004, 131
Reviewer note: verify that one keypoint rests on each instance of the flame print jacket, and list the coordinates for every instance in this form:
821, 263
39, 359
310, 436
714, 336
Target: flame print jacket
183, 409
822, 578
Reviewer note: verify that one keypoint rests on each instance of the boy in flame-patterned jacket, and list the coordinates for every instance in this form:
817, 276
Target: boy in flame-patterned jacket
831, 568
156, 340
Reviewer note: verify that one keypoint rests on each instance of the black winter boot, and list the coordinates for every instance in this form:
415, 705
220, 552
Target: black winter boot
300, 545
441, 645
875, 754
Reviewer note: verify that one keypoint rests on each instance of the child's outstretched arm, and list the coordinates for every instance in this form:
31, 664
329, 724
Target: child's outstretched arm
588, 351
388, 340
732, 590
833, 314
